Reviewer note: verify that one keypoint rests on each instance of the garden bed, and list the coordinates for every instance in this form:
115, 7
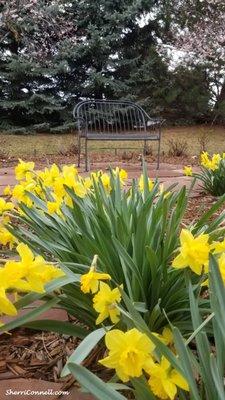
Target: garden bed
113, 254
26, 353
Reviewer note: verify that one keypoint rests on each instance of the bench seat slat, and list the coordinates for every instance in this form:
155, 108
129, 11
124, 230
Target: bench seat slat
121, 136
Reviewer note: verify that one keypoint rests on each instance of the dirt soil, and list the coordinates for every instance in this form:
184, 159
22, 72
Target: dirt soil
128, 158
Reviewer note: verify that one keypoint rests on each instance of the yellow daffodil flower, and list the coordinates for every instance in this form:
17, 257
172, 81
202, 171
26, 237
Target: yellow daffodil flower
163, 192
166, 336
221, 265
69, 174
47, 272
68, 201
49, 175
90, 281
105, 302
58, 187
5, 206
6, 306
88, 183
216, 158
54, 207
79, 189
218, 247
212, 164
193, 253
23, 168
122, 173
129, 352
12, 277
53, 171
141, 183
96, 175
7, 191
105, 178
69, 180
204, 159
6, 238
29, 274
164, 380
19, 192
188, 170
36, 271
69, 170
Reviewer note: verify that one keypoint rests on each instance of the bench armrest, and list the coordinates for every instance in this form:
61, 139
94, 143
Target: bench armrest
154, 122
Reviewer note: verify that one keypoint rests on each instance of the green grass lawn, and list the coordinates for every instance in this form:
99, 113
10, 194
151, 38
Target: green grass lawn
48, 144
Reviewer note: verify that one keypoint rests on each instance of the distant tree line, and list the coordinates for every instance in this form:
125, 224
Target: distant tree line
167, 55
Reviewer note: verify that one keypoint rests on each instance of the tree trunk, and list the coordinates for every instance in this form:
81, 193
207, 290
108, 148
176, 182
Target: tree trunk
219, 108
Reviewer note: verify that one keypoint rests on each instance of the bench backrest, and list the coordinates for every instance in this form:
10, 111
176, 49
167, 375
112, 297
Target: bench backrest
109, 116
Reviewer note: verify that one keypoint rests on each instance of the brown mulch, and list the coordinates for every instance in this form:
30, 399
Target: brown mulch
27, 353
199, 205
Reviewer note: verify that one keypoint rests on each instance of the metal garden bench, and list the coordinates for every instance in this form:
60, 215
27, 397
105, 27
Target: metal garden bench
113, 120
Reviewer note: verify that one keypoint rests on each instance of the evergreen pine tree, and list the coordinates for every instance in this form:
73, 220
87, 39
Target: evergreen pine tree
52, 54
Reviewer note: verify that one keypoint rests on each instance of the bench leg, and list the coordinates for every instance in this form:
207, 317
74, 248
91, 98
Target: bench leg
158, 155
86, 155
79, 149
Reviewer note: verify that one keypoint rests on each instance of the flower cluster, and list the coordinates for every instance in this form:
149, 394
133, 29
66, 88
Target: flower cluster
211, 163
106, 299
49, 184
211, 174
131, 354
206, 162
29, 274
